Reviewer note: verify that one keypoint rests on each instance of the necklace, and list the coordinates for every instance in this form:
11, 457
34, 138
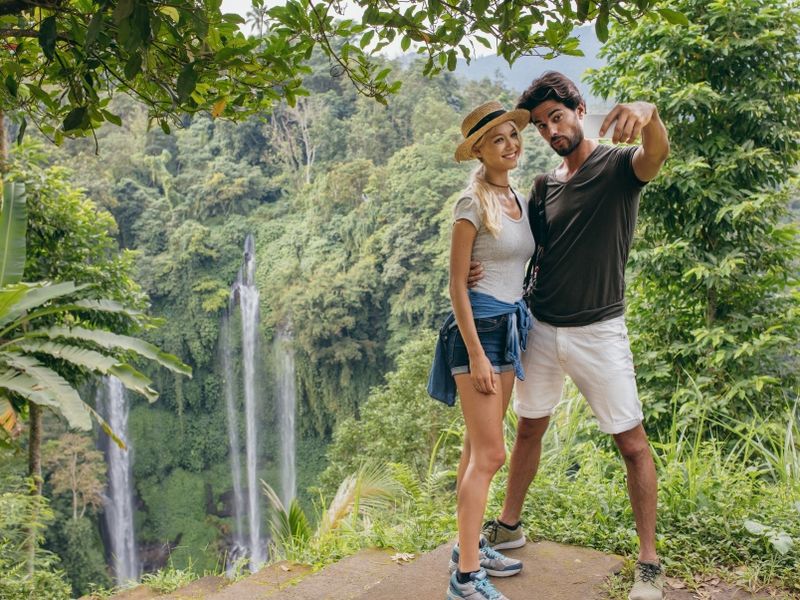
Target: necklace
508, 187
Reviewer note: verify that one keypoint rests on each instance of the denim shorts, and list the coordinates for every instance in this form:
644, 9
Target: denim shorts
492, 333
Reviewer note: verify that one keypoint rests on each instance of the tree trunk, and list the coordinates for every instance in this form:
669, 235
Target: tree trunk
35, 473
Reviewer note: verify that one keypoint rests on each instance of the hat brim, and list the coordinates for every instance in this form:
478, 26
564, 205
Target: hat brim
520, 116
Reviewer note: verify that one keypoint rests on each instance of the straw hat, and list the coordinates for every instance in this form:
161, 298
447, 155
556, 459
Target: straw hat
481, 120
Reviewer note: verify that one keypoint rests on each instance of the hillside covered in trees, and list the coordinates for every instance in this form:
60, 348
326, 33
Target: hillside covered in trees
348, 203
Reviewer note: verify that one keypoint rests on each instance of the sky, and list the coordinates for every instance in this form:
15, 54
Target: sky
351, 12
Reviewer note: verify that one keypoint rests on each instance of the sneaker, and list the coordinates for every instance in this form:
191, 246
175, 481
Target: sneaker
501, 537
648, 582
491, 561
477, 588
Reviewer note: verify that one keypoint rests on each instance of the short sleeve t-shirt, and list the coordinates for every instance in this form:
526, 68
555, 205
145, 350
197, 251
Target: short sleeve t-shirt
590, 221
504, 257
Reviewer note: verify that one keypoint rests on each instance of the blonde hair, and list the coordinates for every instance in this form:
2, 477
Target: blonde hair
490, 208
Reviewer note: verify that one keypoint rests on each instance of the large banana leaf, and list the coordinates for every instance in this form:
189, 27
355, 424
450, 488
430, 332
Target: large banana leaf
61, 396
114, 341
9, 296
35, 295
13, 223
93, 361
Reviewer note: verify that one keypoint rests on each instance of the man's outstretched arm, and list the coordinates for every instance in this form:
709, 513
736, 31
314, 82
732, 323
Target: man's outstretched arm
632, 120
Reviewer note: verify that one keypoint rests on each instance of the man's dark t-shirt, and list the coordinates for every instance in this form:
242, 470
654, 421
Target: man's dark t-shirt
590, 221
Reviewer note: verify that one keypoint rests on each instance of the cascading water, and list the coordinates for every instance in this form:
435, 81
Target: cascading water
226, 358
118, 501
245, 294
284, 362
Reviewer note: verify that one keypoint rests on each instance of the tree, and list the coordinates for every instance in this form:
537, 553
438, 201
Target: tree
713, 302
50, 339
78, 469
65, 60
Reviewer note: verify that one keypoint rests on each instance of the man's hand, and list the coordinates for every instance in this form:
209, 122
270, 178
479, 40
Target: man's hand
475, 273
631, 119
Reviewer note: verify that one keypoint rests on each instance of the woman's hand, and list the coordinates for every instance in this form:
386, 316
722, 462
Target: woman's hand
482, 374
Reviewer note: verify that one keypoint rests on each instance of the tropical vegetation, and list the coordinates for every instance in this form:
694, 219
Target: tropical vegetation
131, 254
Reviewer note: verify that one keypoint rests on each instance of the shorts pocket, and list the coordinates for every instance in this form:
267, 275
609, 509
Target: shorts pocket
490, 324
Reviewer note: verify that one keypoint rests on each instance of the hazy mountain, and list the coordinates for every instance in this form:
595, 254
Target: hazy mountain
519, 76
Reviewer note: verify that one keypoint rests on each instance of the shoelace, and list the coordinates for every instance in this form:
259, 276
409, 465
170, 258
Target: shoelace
649, 572
485, 587
492, 553
491, 527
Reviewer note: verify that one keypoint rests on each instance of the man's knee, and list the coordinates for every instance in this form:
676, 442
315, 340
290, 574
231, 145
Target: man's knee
633, 444
531, 431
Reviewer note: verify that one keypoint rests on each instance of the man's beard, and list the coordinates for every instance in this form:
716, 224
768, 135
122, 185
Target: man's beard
572, 143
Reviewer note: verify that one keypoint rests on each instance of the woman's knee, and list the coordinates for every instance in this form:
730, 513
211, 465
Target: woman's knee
489, 459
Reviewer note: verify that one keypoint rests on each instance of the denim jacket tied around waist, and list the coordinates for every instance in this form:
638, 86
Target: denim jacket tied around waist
441, 384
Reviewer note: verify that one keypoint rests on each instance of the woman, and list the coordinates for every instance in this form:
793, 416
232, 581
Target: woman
480, 342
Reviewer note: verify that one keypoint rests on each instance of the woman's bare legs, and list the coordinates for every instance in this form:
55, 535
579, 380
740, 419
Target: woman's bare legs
483, 415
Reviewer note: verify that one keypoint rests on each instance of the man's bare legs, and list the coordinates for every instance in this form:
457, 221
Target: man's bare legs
642, 487
523, 466
642, 482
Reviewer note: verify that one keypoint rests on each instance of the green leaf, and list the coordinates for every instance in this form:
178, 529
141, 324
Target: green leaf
452, 60
583, 10
123, 10
75, 119
111, 117
367, 38
93, 361
47, 37
133, 66
187, 80
479, 7
601, 26
24, 385
673, 16
64, 398
754, 527
22, 127
35, 295
94, 28
782, 542
114, 341
11, 85
13, 226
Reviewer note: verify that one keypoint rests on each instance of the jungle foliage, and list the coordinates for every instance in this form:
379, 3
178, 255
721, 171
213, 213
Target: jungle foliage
349, 202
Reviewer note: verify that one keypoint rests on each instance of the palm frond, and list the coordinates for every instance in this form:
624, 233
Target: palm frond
62, 396
10, 295
370, 488
93, 361
35, 295
114, 341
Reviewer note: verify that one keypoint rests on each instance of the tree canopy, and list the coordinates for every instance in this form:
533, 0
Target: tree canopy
62, 62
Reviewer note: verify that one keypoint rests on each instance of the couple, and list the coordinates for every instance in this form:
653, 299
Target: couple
584, 214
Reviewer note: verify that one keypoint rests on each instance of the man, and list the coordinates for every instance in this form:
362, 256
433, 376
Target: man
591, 205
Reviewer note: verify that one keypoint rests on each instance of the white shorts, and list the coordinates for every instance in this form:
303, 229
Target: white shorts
597, 358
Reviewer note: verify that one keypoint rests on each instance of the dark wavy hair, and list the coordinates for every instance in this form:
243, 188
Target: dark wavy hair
551, 85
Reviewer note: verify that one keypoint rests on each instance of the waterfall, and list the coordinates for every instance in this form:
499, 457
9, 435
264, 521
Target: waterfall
284, 362
226, 358
245, 294
118, 501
